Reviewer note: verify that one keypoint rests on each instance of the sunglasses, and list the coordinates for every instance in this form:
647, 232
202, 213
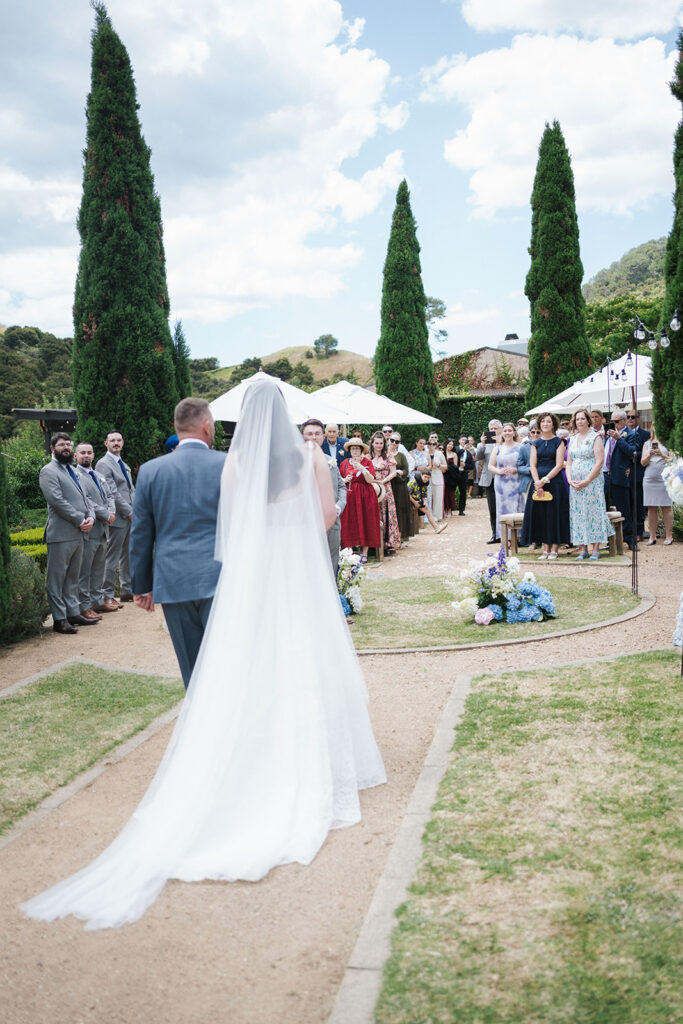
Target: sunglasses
631, 417
395, 440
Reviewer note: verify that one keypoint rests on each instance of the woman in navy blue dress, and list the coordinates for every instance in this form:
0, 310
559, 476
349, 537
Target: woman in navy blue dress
547, 522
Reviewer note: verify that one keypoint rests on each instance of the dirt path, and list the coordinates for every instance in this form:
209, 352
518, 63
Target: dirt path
272, 952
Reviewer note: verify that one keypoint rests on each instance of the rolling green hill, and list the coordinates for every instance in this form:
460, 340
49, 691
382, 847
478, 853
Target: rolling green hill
639, 273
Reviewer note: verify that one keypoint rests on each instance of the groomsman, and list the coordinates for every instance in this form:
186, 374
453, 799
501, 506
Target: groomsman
621, 471
333, 444
312, 430
91, 580
70, 518
642, 435
120, 480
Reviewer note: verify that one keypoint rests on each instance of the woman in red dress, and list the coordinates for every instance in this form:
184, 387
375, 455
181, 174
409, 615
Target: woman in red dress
360, 519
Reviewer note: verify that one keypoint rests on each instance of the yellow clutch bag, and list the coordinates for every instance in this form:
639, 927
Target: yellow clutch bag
542, 496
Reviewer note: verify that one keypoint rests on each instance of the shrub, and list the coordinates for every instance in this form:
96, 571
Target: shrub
29, 606
25, 457
27, 538
38, 552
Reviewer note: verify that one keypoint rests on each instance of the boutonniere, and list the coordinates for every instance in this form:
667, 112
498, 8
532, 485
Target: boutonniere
331, 461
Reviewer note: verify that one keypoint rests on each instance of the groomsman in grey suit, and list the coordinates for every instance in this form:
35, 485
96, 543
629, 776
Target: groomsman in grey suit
70, 517
96, 489
174, 531
120, 480
312, 430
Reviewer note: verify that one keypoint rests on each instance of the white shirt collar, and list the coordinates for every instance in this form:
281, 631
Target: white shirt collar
192, 440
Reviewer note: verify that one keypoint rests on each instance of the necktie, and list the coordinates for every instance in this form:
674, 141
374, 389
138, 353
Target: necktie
73, 477
93, 474
124, 471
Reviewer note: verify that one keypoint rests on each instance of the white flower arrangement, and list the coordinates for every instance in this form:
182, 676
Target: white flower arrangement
673, 478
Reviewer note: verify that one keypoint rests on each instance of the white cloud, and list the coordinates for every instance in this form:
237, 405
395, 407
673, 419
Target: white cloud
37, 288
611, 117
458, 316
617, 19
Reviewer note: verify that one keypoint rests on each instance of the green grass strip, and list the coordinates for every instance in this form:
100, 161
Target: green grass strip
53, 729
410, 612
549, 888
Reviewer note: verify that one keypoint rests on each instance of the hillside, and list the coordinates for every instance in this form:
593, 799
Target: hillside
342, 362
639, 273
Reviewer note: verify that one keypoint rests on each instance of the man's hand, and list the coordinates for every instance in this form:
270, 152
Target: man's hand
112, 517
144, 601
87, 525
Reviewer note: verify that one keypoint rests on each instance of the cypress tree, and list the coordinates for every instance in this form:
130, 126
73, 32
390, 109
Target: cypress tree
404, 370
667, 364
181, 361
123, 352
5, 576
559, 352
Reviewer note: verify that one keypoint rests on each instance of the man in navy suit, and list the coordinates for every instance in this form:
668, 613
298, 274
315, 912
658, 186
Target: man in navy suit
622, 471
173, 532
633, 420
333, 445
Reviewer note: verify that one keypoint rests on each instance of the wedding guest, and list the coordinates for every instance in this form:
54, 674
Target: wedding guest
486, 477
523, 467
417, 489
388, 431
642, 435
399, 485
503, 467
120, 481
359, 520
450, 477
472, 472
654, 458
438, 468
312, 430
70, 518
620, 457
91, 577
333, 444
588, 522
171, 443
464, 465
385, 471
546, 522
598, 422
421, 456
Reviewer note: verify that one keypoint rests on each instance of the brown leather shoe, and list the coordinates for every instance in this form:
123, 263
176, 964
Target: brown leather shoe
125, 597
108, 605
63, 626
90, 614
80, 620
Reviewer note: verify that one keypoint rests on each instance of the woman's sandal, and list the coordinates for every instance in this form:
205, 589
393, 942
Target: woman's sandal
552, 556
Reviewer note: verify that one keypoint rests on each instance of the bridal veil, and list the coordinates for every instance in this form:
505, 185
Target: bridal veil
273, 740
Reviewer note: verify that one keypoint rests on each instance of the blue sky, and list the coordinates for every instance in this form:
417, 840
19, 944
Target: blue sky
280, 130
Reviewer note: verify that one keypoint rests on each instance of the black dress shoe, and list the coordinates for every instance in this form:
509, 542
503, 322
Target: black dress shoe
493, 540
461, 513
80, 620
63, 626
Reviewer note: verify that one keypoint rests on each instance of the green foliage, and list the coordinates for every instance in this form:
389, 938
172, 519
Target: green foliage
27, 538
281, 368
559, 352
181, 361
667, 364
463, 415
24, 457
308, 354
302, 376
325, 346
38, 552
34, 369
247, 368
404, 370
435, 310
123, 351
639, 273
609, 325
29, 607
5, 579
204, 365
461, 373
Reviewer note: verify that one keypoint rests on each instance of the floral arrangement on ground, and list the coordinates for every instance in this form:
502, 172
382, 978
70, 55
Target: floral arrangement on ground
351, 571
496, 590
673, 478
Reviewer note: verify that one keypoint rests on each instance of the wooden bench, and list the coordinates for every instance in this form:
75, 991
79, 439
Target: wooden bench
510, 529
616, 542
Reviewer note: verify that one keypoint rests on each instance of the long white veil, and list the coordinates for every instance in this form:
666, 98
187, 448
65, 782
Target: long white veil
273, 741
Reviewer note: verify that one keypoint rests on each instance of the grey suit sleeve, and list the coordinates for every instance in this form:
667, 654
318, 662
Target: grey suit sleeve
54, 496
340, 492
142, 537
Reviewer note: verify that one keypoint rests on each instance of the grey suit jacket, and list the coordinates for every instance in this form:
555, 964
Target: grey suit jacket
173, 533
122, 492
67, 504
339, 488
103, 504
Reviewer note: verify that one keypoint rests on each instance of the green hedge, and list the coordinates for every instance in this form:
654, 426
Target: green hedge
27, 538
38, 552
29, 607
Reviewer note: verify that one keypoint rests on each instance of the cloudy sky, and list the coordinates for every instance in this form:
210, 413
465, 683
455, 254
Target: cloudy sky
280, 130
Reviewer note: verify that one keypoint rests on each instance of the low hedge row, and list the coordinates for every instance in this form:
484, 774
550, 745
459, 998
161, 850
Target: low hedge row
27, 538
29, 606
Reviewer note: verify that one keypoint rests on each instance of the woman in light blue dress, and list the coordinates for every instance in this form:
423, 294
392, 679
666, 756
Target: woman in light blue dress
506, 479
588, 522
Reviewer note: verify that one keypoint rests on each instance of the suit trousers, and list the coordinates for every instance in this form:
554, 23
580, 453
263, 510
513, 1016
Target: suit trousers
63, 571
334, 543
622, 498
491, 499
117, 555
461, 488
186, 621
91, 581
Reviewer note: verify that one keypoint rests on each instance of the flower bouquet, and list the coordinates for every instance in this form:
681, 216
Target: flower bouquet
496, 590
673, 478
350, 573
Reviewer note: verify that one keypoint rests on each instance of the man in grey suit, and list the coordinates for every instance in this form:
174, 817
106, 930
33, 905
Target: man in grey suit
174, 531
96, 489
120, 480
70, 517
312, 430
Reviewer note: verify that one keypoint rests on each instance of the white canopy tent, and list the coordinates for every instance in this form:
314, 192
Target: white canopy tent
626, 381
362, 406
301, 405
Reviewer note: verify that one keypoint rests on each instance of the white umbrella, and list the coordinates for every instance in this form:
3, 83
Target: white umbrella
362, 406
618, 383
301, 405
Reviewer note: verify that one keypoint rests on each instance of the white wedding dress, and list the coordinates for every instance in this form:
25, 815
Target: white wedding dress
274, 740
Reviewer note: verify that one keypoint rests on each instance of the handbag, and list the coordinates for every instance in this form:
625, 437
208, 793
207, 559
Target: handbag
541, 496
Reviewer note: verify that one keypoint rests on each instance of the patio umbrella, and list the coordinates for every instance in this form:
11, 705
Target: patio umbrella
362, 406
301, 405
621, 382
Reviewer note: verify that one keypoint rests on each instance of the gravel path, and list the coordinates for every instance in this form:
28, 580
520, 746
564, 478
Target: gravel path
273, 952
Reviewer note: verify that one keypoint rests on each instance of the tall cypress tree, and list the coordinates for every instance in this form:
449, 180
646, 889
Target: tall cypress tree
559, 351
5, 575
404, 370
123, 352
181, 361
667, 364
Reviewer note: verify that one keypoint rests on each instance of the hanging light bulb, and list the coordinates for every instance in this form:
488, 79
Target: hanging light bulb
623, 374
629, 357
664, 340
639, 333
651, 341
675, 324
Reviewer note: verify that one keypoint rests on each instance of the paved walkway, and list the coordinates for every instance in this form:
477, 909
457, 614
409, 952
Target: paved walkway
274, 952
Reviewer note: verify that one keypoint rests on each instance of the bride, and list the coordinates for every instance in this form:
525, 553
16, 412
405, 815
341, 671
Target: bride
273, 740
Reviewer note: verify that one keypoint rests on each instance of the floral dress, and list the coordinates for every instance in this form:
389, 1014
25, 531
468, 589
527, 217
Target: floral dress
588, 520
388, 518
508, 496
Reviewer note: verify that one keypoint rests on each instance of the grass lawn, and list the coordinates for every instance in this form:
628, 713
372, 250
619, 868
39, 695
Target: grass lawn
410, 612
549, 888
53, 729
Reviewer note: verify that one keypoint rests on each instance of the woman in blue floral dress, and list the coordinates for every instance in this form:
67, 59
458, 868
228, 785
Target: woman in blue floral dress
506, 479
588, 522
